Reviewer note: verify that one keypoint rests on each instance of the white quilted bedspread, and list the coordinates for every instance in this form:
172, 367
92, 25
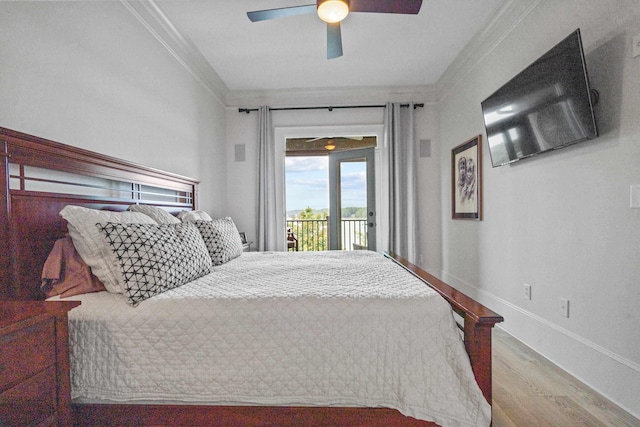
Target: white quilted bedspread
324, 328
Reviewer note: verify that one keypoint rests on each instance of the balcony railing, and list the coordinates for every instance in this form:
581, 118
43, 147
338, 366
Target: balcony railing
313, 234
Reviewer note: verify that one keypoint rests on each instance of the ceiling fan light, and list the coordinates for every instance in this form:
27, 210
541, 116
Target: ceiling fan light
332, 11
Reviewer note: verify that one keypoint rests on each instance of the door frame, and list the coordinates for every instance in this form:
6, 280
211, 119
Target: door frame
280, 135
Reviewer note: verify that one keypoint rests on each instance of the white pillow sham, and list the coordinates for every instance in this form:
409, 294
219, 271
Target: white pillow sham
91, 244
159, 215
193, 216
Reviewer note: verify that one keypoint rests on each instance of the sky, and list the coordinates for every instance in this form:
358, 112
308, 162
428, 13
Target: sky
307, 183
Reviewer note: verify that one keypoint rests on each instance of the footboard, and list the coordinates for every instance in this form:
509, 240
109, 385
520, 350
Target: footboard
478, 322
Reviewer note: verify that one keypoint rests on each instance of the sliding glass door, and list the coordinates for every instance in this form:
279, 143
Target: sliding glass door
352, 216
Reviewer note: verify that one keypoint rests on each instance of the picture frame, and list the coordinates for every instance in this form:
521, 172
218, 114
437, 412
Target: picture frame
243, 237
466, 180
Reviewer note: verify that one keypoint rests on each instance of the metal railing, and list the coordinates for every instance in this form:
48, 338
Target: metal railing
313, 234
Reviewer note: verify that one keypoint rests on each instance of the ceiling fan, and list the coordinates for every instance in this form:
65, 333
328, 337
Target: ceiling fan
330, 145
334, 11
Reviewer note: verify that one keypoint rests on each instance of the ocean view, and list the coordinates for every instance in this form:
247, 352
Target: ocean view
307, 185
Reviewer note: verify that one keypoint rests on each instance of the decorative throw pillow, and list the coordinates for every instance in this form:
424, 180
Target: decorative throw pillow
156, 258
193, 216
159, 215
90, 244
65, 273
221, 238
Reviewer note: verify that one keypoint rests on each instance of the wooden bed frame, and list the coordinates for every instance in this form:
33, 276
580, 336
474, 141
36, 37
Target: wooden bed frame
40, 177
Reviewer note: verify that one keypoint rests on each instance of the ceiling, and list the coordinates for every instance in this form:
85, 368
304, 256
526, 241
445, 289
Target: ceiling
317, 146
380, 50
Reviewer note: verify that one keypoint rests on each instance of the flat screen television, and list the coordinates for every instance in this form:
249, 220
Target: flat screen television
545, 107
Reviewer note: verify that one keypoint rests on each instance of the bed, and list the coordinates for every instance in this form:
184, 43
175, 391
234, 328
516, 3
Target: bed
41, 177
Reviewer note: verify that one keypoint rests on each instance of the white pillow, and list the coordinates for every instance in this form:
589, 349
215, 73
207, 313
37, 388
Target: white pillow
91, 244
193, 216
159, 215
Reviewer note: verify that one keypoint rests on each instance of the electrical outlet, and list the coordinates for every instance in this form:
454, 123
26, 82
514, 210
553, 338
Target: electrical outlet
527, 291
634, 196
636, 46
564, 307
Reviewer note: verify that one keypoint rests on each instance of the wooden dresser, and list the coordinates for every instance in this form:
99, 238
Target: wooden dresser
35, 388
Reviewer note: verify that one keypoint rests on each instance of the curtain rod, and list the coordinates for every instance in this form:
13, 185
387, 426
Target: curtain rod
330, 108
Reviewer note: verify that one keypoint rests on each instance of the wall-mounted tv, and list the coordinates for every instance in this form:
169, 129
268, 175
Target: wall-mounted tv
545, 107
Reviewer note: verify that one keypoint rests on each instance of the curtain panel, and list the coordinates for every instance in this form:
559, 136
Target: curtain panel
267, 219
399, 173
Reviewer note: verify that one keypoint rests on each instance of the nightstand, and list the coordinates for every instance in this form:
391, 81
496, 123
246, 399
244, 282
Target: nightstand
35, 388
246, 247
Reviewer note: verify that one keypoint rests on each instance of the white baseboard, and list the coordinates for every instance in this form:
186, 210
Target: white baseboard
615, 377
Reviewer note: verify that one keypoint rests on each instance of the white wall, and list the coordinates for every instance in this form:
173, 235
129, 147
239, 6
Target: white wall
90, 75
429, 254
560, 222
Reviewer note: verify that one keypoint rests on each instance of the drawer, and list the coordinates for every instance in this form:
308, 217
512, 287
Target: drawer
31, 402
25, 352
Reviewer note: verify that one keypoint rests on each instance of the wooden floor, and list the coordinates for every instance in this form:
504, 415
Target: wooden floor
528, 390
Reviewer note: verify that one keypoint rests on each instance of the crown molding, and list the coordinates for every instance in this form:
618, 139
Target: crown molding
504, 21
180, 47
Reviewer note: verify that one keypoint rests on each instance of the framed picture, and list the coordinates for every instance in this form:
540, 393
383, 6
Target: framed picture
243, 237
466, 180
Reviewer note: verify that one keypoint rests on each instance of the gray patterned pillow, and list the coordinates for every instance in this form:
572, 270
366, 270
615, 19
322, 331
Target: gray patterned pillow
221, 238
156, 258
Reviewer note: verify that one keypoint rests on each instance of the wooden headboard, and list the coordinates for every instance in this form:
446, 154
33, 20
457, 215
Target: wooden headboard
39, 177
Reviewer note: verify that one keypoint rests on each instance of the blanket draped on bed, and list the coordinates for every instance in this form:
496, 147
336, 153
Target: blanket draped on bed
269, 328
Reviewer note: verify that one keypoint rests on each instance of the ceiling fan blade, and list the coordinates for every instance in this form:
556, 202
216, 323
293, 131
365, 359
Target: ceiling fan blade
334, 41
263, 15
408, 7
355, 138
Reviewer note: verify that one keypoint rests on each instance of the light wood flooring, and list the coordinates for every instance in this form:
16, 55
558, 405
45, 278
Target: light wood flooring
528, 390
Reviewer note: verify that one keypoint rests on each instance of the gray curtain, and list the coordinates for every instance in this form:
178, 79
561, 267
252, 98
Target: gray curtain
400, 170
267, 224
